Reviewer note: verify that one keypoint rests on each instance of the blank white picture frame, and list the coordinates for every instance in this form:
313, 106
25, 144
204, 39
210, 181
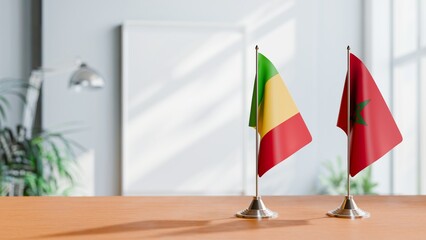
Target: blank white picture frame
183, 117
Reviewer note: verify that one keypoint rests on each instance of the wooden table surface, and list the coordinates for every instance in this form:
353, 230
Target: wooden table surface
392, 217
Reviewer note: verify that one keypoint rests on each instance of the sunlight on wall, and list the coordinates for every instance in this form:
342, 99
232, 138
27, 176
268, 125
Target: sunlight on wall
217, 43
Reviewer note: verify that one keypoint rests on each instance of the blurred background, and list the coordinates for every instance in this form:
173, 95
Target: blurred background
171, 117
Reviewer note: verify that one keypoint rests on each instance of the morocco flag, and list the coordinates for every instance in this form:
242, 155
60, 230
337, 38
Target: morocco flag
373, 131
281, 127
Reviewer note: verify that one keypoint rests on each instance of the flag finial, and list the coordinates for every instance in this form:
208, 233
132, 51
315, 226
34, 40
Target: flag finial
257, 47
348, 48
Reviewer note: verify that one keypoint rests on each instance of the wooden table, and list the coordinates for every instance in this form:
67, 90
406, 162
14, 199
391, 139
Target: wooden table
392, 217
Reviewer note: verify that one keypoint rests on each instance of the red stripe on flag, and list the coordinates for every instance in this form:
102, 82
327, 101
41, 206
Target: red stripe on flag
281, 142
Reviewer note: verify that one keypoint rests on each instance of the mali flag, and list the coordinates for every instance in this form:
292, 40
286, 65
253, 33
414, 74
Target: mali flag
373, 131
281, 127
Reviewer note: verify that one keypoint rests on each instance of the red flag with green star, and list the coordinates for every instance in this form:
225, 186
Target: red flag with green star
373, 131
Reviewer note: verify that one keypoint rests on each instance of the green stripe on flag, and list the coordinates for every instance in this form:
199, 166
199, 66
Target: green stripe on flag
266, 71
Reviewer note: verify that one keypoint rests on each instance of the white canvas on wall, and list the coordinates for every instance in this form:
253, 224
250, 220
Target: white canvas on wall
182, 109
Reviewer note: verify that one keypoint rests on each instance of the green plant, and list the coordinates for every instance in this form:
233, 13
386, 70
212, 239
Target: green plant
41, 164
334, 181
35, 166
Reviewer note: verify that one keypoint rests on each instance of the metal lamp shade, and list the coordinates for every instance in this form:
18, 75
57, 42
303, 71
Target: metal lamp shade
86, 77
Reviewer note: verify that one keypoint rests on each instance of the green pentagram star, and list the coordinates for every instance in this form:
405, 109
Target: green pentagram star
358, 108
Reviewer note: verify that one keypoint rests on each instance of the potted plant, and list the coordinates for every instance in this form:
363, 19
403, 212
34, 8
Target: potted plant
40, 164
334, 180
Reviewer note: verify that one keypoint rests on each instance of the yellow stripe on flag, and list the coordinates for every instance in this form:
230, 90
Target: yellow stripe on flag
277, 105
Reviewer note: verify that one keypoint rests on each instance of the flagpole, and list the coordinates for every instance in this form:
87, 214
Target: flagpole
257, 123
257, 208
348, 208
349, 120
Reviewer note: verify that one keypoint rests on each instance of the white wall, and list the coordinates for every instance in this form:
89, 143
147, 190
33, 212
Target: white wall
312, 37
15, 47
395, 62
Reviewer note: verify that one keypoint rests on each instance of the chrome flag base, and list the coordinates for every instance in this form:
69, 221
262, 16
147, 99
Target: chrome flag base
257, 209
348, 209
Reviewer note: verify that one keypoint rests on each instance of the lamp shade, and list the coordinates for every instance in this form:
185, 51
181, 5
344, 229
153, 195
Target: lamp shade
86, 77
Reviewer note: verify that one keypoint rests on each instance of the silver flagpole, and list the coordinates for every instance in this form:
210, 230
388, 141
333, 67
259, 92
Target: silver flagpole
348, 209
257, 122
257, 208
349, 122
